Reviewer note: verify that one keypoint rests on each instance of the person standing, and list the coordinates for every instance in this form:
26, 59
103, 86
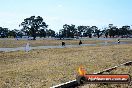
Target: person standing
27, 47
118, 41
80, 42
63, 43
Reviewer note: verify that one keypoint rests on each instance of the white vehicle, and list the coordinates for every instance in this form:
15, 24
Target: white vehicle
27, 37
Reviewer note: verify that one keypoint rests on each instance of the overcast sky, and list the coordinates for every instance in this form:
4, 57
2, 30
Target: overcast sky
58, 12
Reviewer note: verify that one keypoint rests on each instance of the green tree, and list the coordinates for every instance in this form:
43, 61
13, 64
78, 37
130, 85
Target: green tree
80, 30
42, 33
4, 32
96, 31
71, 30
12, 33
87, 31
33, 24
68, 31
50, 33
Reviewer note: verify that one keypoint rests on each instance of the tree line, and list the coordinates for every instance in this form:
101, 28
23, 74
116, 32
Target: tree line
32, 26
36, 27
70, 31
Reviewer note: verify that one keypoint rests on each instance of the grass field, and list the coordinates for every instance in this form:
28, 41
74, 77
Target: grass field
48, 67
4, 43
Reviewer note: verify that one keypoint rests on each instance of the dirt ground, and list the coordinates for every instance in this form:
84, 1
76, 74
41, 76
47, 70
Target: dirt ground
47, 67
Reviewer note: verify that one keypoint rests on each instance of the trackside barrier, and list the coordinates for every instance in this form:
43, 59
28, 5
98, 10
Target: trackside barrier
70, 84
